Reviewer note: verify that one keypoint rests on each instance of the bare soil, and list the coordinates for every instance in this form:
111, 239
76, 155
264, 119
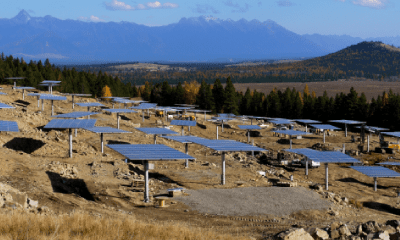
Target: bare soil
33, 161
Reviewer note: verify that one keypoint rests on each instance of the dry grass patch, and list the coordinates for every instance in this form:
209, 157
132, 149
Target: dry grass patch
83, 226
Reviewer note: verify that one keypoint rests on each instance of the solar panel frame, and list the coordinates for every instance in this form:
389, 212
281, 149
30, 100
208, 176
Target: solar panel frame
249, 127
324, 156
182, 139
390, 163
227, 145
106, 130
77, 94
3, 93
198, 110
75, 114
281, 121
376, 171
306, 121
52, 97
120, 110
8, 126
350, 122
24, 88
150, 152
183, 123
92, 104
372, 128
156, 131
324, 126
50, 81
70, 123
392, 134
291, 132
3, 105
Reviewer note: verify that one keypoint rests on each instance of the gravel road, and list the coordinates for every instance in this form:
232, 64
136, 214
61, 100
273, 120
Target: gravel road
253, 201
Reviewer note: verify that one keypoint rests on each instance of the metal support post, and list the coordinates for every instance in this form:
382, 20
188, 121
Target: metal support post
223, 169
306, 128
344, 148
38, 101
252, 152
113, 105
73, 102
222, 128
324, 135
248, 136
42, 105
23, 94
345, 130
368, 143
375, 184
102, 142
306, 166
290, 142
118, 117
251, 121
205, 116
70, 143
76, 132
142, 115
326, 176
146, 180
189, 128
182, 131
148, 112
187, 152
155, 138
52, 107
217, 132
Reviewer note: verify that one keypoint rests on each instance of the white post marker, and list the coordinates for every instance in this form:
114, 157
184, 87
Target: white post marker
326, 176
223, 169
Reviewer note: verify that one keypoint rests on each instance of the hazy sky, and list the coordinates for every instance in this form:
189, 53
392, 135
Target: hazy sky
357, 18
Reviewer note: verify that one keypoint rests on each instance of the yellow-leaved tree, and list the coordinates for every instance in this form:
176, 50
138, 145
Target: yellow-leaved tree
191, 90
106, 92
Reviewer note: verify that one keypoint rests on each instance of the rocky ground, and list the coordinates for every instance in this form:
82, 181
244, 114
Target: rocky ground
38, 176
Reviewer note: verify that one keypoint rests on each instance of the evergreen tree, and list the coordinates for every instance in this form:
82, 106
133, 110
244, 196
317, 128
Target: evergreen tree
204, 98
218, 94
245, 105
231, 102
179, 94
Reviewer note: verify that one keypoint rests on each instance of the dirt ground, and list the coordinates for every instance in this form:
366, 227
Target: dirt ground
36, 161
370, 88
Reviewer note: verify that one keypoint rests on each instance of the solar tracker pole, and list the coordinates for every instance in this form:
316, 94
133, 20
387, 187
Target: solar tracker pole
306, 166
187, 152
70, 142
118, 120
223, 169
113, 105
217, 132
324, 135
102, 142
205, 116
73, 105
76, 132
290, 140
375, 184
42, 105
23, 94
38, 101
345, 129
344, 148
251, 123
182, 131
146, 179
222, 127
368, 143
142, 115
306, 127
326, 176
252, 152
155, 138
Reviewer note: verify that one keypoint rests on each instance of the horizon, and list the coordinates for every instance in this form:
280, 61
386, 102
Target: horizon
329, 17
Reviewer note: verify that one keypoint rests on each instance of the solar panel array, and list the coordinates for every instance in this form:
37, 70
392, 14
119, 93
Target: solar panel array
249, 127
374, 129
154, 152
156, 131
8, 126
393, 134
198, 110
324, 156
307, 121
24, 88
93, 104
77, 94
52, 97
75, 114
390, 163
281, 121
291, 132
324, 126
347, 121
106, 130
145, 106
71, 123
376, 171
50, 81
255, 117
183, 108
183, 139
120, 110
183, 123
222, 118
3, 105
226, 145
228, 115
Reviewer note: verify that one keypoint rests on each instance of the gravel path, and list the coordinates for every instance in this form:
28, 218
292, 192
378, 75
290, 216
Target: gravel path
253, 201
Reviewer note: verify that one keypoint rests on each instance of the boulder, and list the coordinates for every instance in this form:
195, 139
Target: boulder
33, 203
395, 236
319, 234
370, 227
20, 198
344, 231
294, 234
382, 235
393, 223
388, 228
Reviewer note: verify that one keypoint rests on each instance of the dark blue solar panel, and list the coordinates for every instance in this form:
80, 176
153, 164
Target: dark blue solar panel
2, 105
228, 115
324, 156
183, 123
24, 88
390, 163
371, 128
346, 121
183, 108
50, 81
393, 134
77, 94
92, 104
307, 121
2, 93
183, 139
106, 130
8, 126
249, 127
376, 171
120, 110
281, 121
225, 145
154, 152
75, 114
145, 106
156, 131
291, 132
71, 123
198, 110
324, 126
52, 97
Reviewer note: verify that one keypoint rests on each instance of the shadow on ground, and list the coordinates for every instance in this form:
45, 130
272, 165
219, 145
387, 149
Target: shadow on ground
69, 186
27, 145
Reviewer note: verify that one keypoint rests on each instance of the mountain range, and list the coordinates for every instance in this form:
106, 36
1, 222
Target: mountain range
190, 39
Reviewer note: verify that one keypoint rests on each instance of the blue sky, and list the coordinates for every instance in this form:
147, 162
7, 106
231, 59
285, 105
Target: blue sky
357, 18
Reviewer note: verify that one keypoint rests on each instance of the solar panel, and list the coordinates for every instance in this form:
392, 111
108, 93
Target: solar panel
92, 104
281, 121
183, 123
15, 78
52, 97
324, 126
222, 118
226, 115
145, 106
324, 156
2, 105
374, 129
291, 132
183, 139
50, 81
390, 163
24, 88
393, 134
376, 171
71, 123
106, 130
77, 94
347, 121
249, 127
183, 108
153, 152
120, 110
121, 100
307, 121
36, 94
75, 114
198, 110
8, 126
156, 131
2, 93
226, 145
255, 117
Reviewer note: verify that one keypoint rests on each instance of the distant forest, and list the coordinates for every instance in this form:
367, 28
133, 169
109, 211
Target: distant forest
383, 111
